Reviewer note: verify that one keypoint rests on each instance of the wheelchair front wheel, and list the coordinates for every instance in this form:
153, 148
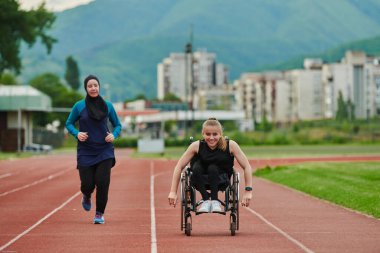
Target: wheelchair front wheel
188, 226
233, 224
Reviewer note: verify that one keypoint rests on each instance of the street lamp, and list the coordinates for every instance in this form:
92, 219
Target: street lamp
190, 78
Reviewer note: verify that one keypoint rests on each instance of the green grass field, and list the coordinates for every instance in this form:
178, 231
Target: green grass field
310, 151
355, 185
11, 155
253, 152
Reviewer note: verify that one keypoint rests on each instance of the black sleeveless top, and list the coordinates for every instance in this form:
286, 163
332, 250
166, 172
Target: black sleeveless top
223, 159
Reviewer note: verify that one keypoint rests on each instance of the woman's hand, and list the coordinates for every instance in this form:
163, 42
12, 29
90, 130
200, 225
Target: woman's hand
109, 137
172, 198
247, 196
82, 136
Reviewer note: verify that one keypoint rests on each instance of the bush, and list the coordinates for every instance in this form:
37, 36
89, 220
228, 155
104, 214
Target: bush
278, 139
175, 142
125, 142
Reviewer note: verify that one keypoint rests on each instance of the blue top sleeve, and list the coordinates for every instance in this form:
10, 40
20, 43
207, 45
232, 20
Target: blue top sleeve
114, 120
73, 117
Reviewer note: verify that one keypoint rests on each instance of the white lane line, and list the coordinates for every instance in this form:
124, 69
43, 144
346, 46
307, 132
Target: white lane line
303, 247
5, 175
39, 222
153, 237
35, 182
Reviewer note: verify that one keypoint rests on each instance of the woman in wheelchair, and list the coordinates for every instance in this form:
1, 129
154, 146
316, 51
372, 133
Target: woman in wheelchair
214, 156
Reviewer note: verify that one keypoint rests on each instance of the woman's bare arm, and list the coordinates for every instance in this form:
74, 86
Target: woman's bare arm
181, 164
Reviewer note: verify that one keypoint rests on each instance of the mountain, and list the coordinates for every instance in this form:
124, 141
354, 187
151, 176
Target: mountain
122, 41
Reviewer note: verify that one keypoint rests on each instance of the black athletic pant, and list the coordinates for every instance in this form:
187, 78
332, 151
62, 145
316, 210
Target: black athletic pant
99, 176
199, 180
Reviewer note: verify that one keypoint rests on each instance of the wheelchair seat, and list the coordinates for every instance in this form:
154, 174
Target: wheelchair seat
224, 182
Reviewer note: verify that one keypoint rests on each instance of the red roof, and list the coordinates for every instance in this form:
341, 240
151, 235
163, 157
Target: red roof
125, 113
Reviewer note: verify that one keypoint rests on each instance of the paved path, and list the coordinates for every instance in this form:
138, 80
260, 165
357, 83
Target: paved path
41, 212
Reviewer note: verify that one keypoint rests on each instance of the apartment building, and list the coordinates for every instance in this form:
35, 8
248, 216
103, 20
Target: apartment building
306, 94
312, 92
220, 97
301, 94
172, 76
376, 80
356, 77
222, 74
204, 69
267, 95
181, 74
245, 93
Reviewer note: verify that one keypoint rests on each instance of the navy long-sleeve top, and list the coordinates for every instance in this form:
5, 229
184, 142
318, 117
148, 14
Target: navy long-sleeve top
95, 149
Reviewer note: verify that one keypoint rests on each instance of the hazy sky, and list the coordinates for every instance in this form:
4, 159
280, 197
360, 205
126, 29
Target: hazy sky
53, 5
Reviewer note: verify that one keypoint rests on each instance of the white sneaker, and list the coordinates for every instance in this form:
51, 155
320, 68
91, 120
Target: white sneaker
205, 207
215, 206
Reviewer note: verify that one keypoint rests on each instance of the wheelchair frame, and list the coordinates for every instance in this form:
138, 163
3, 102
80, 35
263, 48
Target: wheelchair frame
189, 203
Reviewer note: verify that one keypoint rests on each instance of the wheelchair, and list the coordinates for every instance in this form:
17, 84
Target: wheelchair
229, 184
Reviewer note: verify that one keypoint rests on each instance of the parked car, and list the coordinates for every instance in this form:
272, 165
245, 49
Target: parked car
33, 147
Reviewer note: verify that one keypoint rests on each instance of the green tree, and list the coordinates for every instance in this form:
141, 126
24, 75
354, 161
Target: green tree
18, 26
72, 73
342, 113
350, 110
60, 95
171, 97
346, 110
7, 79
137, 97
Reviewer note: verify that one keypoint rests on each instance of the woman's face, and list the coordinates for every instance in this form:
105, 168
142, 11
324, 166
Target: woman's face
211, 134
93, 88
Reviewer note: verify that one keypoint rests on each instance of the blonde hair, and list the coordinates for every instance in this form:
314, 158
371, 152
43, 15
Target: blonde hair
213, 122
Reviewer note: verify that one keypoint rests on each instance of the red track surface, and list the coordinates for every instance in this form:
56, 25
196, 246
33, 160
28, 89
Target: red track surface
40, 211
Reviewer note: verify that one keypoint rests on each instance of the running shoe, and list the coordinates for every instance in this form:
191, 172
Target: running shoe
205, 207
215, 206
86, 203
99, 218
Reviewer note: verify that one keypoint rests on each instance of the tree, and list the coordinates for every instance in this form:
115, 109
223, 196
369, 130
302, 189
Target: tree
350, 110
341, 113
346, 110
7, 79
171, 97
60, 95
72, 73
18, 26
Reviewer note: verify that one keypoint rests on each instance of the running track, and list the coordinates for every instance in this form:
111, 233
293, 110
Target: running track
40, 211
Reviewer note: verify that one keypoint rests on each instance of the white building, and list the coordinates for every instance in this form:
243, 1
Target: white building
355, 77
204, 69
264, 95
171, 76
307, 94
179, 71
222, 74
216, 98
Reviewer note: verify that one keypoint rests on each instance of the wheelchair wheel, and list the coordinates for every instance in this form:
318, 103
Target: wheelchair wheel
237, 175
234, 216
186, 217
186, 202
183, 202
188, 226
233, 224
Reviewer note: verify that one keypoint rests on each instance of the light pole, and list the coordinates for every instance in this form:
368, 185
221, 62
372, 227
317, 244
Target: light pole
190, 78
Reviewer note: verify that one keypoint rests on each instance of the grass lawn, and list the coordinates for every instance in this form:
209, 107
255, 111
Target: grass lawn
310, 150
353, 185
11, 155
283, 151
